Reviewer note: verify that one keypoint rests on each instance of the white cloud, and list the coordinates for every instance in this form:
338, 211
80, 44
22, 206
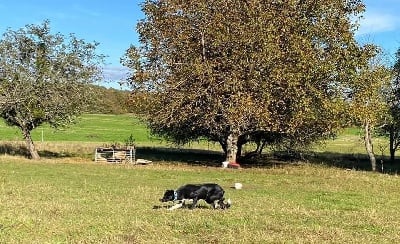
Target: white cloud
377, 23
115, 73
113, 76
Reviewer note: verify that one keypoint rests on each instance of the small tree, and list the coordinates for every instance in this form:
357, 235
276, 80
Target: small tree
368, 101
44, 78
392, 125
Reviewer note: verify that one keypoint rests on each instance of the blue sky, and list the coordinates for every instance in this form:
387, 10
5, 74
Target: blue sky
112, 23
381, 25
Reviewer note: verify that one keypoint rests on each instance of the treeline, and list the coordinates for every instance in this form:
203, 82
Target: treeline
109, 101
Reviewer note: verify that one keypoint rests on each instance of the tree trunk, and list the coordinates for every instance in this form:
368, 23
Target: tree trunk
223, 146
369, 146
29, 144
392, 147
239, 150
232, 148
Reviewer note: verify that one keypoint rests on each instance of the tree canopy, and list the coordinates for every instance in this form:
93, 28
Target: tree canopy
44, 77
224, 69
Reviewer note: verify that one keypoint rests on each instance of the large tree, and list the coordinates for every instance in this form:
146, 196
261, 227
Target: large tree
44, 77
224, 69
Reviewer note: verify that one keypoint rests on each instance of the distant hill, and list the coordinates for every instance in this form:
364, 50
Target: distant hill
109, 101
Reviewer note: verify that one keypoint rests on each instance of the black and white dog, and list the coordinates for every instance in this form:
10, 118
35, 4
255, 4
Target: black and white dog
212, 193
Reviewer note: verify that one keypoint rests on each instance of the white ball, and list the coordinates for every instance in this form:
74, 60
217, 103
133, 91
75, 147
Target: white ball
238, 186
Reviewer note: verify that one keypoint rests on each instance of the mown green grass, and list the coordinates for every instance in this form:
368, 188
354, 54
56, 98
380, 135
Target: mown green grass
88, 128
78, 201
91, 131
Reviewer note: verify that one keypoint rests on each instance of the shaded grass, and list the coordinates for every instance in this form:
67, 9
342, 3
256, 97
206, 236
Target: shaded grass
76, 201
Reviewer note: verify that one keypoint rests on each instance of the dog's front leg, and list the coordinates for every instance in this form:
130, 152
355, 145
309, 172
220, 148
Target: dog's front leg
216, 204
176, 206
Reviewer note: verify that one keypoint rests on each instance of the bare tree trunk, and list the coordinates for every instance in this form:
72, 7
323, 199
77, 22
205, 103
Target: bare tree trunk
223, 146
239, 151
392, 147
261, 147
29, 144
369, 146
232, 148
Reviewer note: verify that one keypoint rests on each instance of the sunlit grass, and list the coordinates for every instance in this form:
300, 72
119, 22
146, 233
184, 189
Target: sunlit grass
91, 131
88, 128
78, 201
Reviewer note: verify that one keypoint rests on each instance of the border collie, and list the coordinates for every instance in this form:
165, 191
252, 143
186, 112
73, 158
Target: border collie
212, 193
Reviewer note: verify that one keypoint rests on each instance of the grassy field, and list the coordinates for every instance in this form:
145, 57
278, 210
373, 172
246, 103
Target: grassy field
96, 130
89, 128
61, 201
90, 131
67, 198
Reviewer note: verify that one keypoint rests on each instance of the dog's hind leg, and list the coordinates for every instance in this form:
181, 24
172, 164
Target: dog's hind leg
194, 204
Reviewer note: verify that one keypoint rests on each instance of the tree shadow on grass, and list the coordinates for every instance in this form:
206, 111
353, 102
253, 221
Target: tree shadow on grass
18, 149
341, 160
356, 161
14, 149
207, 158
49, 154
189, 156
214, 159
